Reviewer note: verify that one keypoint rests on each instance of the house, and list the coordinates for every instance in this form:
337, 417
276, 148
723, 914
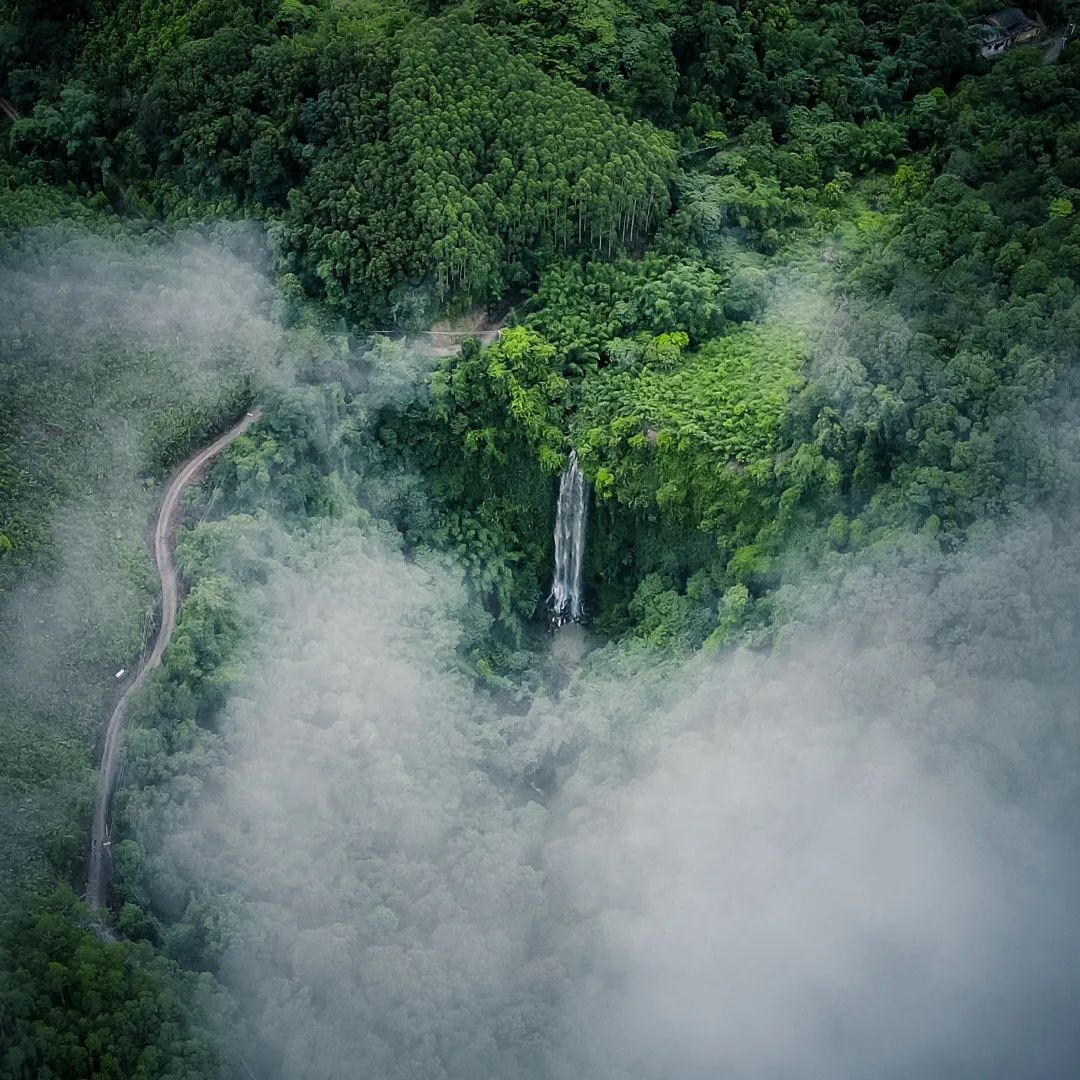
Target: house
1002, 30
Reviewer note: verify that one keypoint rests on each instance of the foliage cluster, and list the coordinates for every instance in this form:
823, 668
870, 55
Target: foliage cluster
647, 432
74, 1005
404, 161
487, 164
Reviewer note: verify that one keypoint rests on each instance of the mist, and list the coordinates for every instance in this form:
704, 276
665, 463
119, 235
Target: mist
853, 856
104, 341
803, 887
114, 349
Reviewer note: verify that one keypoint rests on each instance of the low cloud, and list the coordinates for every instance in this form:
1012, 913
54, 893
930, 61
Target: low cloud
851, 857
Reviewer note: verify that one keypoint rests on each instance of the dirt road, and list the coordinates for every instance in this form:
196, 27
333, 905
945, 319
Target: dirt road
164, 538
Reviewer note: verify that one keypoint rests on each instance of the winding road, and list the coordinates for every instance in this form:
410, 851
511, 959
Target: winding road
164, 537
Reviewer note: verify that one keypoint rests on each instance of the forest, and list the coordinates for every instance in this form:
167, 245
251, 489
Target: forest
798, 284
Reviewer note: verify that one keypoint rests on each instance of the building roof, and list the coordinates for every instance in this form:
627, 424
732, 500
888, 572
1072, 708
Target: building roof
1009, 20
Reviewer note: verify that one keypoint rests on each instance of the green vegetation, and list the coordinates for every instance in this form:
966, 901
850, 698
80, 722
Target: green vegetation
797, 281
487, 168
75, 1006
719, 408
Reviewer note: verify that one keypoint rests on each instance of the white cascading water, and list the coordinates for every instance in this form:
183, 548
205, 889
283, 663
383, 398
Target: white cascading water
570, 521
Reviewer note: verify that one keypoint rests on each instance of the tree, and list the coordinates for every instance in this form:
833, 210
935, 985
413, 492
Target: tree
72, 1005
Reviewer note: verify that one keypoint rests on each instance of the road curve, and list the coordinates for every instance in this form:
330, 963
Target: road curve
164, 536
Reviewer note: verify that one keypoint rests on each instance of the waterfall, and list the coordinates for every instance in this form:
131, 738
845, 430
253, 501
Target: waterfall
570, 521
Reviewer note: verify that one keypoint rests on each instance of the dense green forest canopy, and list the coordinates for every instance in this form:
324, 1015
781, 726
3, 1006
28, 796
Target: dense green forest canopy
798, 282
